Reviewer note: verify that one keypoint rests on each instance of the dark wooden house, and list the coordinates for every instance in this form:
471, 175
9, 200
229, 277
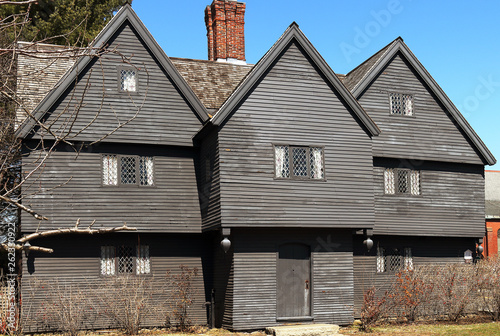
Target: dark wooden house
292, 164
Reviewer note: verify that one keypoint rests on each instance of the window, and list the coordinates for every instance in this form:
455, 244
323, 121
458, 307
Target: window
125, 259
394, 261
298, 162
127, 170
401, 181
127, 79
401, 104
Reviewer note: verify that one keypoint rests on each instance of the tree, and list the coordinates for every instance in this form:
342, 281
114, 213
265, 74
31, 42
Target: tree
64, 22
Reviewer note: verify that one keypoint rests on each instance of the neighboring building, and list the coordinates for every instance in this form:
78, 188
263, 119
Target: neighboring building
492, 207
294, 165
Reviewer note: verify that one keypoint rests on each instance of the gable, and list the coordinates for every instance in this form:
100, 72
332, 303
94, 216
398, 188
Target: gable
429, 134
294, 104
164, 110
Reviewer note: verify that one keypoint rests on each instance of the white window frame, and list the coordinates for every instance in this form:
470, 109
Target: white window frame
112, 170
283, 155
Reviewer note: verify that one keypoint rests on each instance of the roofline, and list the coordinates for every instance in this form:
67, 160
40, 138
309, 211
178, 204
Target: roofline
292, 33
400, 46
125, 13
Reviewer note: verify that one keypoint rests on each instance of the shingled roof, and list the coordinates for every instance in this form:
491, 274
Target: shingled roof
211, 81
358, 73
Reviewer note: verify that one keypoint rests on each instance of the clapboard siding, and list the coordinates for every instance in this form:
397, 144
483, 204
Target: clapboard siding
75, 265
425, 251
292, 104
74, 190
430, 134
255, 275
163, 115
209, 181
451, 202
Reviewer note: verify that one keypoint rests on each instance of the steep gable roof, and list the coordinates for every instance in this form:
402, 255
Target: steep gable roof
293, 33
126, 13
363, 76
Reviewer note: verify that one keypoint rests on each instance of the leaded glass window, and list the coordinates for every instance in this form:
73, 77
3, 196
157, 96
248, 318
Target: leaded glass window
108, 260
392, 260
109, 170
143, 266
299, 162
125, 259
401, 104
401, 181
128, 80
127, 170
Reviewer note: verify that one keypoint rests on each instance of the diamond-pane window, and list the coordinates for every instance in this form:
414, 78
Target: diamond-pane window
299, 159
128, 80
125, 259
389, 181
108, 260
299, 162
143, 265
401, 104
282, 163
127, 170
402, 186
401, 181
146, 170
394, 261
380, 260
316, 157
109, 170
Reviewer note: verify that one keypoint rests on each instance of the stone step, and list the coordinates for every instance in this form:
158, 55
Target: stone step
304, 330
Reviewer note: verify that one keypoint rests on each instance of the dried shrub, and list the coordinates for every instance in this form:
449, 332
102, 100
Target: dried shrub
374, 308
64, 307
126, 301
182, 296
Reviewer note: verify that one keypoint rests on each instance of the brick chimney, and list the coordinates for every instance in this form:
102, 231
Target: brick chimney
225, 20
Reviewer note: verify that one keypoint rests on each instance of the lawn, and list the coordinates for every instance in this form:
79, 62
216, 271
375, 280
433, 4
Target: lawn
430, 329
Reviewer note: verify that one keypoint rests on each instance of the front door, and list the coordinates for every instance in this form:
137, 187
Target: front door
294, 281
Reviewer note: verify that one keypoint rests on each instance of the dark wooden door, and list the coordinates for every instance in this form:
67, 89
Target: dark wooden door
294, 281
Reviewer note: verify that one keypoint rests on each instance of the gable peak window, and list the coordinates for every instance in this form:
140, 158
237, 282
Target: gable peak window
401, 103
401, 181
127, 170
127, 79
299, 162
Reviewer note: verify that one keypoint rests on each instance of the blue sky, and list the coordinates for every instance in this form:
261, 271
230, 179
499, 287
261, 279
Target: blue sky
457, 41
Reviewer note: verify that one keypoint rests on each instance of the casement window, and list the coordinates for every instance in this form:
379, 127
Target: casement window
393, 260
127, 170
299, 162
401, 181
401, 103
127, 79
125, 259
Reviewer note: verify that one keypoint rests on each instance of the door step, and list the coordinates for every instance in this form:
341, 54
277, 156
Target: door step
304, 330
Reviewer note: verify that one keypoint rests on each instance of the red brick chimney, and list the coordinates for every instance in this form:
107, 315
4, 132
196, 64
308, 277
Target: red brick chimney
225, 20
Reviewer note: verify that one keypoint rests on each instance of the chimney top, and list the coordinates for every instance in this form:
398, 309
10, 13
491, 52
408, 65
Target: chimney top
225, 20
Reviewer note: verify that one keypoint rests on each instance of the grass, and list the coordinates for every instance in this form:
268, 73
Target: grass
429, 329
